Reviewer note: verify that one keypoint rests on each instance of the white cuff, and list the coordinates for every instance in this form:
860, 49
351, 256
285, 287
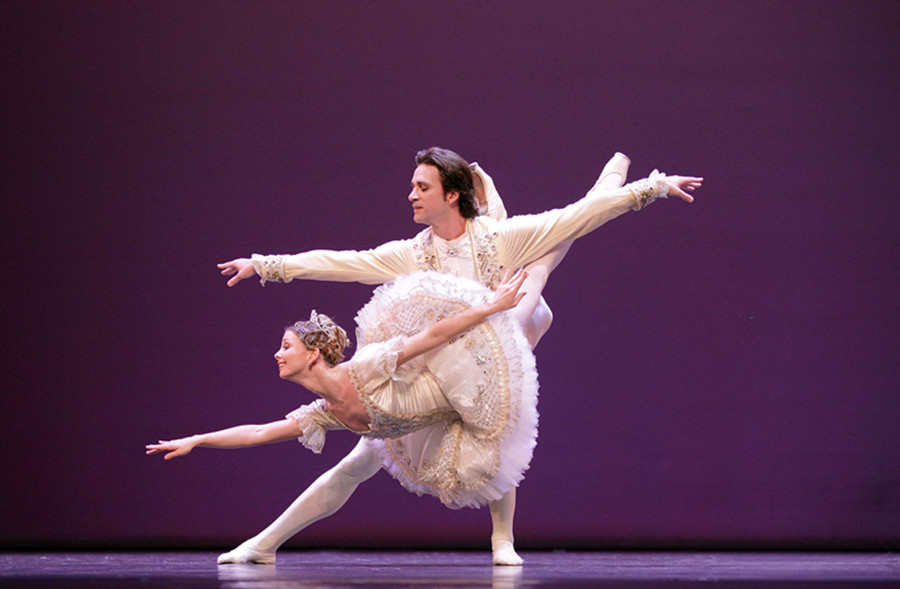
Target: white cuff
647, 190
269, 268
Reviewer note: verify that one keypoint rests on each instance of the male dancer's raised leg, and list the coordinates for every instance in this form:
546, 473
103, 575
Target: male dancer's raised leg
532, 312
535, 317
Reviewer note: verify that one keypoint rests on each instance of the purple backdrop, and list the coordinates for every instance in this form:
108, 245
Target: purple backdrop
718, 374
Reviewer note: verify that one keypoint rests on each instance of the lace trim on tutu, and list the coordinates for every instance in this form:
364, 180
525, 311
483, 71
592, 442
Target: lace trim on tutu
313, 437
380, 319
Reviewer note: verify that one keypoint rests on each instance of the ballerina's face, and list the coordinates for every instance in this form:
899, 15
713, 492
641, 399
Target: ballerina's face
292, 356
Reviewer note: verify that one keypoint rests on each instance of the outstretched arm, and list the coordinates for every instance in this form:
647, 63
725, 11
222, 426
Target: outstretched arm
505, 297
373, 266
242, 436
528, 237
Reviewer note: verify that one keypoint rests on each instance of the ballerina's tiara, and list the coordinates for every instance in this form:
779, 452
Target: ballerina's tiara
320, 323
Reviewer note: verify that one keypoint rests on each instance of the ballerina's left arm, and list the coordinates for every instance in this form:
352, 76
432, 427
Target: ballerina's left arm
505, 297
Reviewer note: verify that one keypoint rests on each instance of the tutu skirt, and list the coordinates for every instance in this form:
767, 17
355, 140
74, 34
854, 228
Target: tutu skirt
487, 374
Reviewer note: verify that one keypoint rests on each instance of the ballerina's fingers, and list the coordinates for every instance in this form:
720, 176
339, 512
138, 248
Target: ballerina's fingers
508, 294
161, 446
173, 449
519, 298
514, 283
518, 281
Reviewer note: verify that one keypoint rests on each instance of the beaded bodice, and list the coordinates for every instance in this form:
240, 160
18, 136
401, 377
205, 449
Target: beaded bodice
385, 424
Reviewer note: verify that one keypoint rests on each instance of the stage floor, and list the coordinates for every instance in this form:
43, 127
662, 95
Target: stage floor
349, 569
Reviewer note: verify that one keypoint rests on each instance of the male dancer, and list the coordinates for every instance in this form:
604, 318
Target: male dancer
460, 242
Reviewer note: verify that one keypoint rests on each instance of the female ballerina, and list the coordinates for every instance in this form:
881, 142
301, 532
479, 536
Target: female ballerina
443, 387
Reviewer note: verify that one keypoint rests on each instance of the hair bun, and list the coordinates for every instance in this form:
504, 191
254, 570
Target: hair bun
323, 334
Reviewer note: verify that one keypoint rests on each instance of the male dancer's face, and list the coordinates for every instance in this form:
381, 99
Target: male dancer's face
430, 203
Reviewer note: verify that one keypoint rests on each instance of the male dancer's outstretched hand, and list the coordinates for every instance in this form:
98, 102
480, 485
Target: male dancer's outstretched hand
240, 268
678, 185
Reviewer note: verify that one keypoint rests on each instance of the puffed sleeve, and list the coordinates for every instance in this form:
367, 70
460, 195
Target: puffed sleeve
314, 420
376, 363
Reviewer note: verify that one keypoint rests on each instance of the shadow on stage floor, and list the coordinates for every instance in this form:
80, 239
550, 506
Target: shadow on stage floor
350, 569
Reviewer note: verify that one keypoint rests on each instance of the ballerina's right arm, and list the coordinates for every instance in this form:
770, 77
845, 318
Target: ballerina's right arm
505, 297
241, 436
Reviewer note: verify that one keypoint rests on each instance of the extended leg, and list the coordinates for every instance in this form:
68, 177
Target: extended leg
324, 497
532, 312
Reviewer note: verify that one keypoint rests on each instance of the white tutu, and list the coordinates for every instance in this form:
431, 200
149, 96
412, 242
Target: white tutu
487, 374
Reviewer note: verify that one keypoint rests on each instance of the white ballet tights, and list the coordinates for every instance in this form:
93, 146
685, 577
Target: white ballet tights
329, 492
532, 312
502, 541
326, 495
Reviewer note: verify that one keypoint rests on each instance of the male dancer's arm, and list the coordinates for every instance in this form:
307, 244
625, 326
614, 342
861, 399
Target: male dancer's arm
374, 266
528, 237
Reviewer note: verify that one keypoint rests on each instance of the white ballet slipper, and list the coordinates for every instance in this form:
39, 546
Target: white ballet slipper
245, 554
505, 554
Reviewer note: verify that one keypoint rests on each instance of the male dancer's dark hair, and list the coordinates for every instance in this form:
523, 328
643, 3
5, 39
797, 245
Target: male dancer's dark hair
455, 176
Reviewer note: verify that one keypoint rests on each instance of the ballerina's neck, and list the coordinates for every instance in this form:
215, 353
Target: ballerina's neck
328, 382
